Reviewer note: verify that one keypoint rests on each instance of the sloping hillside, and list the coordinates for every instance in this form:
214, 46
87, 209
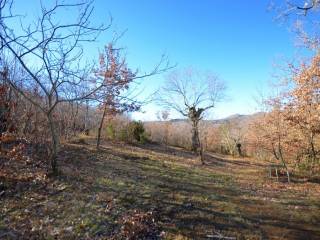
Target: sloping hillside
149, 192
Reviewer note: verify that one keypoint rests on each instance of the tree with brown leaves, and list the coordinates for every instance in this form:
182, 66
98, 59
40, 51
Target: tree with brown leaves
303, 106
118, 94
114, 97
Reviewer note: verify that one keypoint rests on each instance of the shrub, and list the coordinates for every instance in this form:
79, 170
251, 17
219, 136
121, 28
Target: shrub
111, 132
123, 135
137, 132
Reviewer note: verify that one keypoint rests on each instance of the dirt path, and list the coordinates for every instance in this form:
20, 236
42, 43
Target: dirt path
97, 192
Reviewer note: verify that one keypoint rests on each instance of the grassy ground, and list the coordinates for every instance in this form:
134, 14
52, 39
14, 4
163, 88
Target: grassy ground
97, 192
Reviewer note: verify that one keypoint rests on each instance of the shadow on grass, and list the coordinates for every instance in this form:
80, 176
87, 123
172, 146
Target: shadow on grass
190, 201
97, 188
210, 159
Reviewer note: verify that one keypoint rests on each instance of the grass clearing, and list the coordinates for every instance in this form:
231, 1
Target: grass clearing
95, 190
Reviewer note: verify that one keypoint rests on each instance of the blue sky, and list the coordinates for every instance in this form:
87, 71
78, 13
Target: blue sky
237, 40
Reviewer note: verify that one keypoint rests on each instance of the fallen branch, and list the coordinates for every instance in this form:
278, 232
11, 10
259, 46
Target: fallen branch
220, 236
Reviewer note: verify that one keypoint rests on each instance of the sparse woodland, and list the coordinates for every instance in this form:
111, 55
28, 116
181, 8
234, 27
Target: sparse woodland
75, 165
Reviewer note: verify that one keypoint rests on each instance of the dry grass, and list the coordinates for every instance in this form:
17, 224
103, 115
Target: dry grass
95, 190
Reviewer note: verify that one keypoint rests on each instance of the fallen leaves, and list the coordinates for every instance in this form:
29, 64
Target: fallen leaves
139, 225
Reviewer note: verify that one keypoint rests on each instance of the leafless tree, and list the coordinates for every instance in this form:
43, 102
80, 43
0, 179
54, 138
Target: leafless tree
302, 16
50, 52
289, 7
192, 93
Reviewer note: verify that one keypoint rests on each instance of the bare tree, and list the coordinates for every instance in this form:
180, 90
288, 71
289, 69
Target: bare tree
303, 19
50, 53
300, 7
192, 93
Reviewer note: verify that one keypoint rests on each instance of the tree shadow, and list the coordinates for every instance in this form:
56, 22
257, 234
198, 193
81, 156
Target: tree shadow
178, 193
190, 201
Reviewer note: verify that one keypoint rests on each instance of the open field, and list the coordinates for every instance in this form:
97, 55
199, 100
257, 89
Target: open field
99, 194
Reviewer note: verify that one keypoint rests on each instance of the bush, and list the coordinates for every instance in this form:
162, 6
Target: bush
123, 135
111, 132
126, 131
136, 132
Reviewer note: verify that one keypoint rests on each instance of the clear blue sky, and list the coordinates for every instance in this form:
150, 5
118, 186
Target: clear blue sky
237, 40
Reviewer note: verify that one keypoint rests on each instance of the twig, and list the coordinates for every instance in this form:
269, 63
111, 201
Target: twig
220, 236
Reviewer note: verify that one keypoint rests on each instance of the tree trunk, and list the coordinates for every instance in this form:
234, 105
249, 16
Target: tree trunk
100, 127
54, 143
195, 141
238, 145
279, 157
86, 120
284, 164
200, 147
75, 115
313, 154
195, 137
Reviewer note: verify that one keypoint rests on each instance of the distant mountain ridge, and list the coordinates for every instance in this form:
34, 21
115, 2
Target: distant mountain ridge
231, 118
